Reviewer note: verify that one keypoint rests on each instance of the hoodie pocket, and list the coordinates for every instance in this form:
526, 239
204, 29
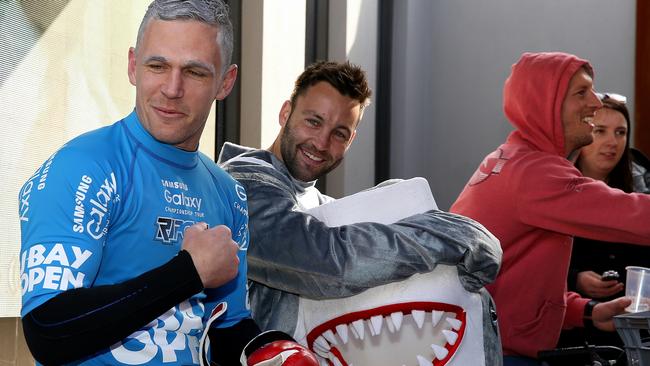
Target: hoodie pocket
540, 333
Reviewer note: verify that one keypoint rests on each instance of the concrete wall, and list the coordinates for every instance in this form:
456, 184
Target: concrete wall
273, 55
353, 36
451, 57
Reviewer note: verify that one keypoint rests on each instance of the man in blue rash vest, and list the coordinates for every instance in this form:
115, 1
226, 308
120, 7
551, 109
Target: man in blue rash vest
130, 236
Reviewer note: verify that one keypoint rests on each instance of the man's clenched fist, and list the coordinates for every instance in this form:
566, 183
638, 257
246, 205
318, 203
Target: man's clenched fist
213, 252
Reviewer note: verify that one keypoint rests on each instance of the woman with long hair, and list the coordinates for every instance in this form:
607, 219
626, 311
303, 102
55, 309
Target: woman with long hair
609, 159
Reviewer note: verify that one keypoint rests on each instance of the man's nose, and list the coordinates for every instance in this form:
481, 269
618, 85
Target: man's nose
173, 86
322, 139
594, 101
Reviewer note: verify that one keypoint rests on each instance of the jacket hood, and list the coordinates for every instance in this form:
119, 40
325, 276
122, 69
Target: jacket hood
533, 96
230, 150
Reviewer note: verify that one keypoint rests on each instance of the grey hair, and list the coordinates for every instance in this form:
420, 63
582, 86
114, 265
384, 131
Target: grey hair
212, 12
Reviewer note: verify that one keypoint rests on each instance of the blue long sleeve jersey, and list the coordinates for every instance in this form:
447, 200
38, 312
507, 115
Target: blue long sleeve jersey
114, 203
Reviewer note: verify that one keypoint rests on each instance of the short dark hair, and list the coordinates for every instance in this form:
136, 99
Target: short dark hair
348, 79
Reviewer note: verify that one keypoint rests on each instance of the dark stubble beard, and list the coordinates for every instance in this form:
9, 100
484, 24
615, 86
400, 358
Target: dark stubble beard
582, 141
289, 148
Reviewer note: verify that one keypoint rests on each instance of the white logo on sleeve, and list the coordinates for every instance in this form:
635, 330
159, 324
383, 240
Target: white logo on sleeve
241, 192
91, 208
54, 269
96, 226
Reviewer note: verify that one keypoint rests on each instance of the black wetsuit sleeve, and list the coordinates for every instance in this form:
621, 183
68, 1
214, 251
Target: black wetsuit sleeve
80, 322
231, 341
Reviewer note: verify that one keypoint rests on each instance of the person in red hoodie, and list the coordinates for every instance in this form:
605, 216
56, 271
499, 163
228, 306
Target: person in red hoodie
531, 197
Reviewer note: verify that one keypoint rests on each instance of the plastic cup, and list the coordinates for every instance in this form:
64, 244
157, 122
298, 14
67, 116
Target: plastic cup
637, 288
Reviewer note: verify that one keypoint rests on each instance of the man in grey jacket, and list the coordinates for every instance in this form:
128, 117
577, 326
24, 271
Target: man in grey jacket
293, 254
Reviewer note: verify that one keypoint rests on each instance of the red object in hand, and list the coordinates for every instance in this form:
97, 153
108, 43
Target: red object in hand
286, 353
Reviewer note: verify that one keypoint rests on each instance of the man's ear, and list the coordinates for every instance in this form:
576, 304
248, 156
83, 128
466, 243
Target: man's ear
285, 112
228, 82
131, 67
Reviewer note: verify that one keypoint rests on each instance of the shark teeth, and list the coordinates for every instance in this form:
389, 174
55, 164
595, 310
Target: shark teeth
423, 361
455, 323
357, 329
322, 345
376, 322
418, 316
372, 329
440, 352
396, 320
435, 317
321, 353
335, 361
329, 335
450, 336
390, 325
342, 331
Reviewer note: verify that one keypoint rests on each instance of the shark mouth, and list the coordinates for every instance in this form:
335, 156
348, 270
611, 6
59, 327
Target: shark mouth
438, 340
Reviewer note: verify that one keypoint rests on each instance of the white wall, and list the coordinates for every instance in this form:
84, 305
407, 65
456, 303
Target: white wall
451, 57
70, 78
353, 36
273, 55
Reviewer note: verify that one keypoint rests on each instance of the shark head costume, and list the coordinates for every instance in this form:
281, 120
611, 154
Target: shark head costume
428, 318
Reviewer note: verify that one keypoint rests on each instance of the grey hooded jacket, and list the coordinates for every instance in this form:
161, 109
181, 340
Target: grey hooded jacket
292, 254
